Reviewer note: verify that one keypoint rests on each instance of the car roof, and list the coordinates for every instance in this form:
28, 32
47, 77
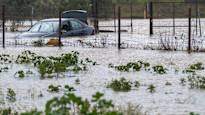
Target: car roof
57, 19
80, 11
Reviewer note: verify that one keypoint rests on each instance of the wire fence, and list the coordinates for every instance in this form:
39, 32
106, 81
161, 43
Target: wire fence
163, 21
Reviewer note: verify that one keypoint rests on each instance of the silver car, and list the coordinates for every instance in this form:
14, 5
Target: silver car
50, 28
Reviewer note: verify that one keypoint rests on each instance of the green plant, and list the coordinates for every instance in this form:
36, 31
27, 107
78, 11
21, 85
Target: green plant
168, 83
59, 68
54, 89
74, 105
46, 67
4, 69
135, 66
76, 69
11, 95
196, 81
151, 88
21, 74
77, 81
192, 68
137, 84
69, 88
13, 27
197, 66
159, 69
7, 111
33, 112
120, 85
26, 57
183, 81
192, 113
5, 59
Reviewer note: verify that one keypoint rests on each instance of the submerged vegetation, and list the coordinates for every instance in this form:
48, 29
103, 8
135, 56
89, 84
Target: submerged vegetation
70, 64
120, 85
49, 67
70, 104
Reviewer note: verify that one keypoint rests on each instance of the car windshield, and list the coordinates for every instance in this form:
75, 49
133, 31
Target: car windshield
45, 27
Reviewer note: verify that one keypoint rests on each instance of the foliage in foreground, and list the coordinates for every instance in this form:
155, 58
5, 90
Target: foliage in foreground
70, 104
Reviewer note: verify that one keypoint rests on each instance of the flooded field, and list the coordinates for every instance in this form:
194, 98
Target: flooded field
172, 84
175, 98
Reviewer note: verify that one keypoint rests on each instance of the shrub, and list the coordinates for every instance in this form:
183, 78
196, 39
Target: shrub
77, 81
168, 83
159, 69
196, 81
21, 74
74, 105
69, 88
54, 89
192, 68
26, 57
137, 84
137, 66
11, 95
151, 88
197, 66
120, 85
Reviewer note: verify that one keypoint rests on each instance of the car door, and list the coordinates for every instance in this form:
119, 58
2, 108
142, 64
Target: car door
77, 28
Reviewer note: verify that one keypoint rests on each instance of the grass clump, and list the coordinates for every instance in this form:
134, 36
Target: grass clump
192, 113
192, 68
196, 81
151, 88
159, 69
53, 89
69, 88
197, 66
11, 95
132, 66
5, 59
21, 74
120, 85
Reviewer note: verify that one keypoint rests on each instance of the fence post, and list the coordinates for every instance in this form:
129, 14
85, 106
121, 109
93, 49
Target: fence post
189, 33
119, 27
173, 15
114, 11
131, 16
151, 17
32, 13
3, 25
59, 32
196, 17
96, 22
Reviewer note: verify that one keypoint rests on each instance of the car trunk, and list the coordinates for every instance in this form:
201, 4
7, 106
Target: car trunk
77, 14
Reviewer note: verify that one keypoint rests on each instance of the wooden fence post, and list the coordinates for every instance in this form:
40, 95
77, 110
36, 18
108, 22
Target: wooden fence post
151, 17
119, 27
189, 33
3, 25
114, 11
60, 29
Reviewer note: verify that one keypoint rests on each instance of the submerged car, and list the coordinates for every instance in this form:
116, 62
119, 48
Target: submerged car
50, 28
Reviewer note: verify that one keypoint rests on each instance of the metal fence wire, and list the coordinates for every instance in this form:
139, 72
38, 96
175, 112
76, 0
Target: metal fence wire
165, 19
177, 13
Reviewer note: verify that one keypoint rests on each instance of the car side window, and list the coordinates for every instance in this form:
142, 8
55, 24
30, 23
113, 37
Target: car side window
35, 28
46, 27
66, 26
75, 25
